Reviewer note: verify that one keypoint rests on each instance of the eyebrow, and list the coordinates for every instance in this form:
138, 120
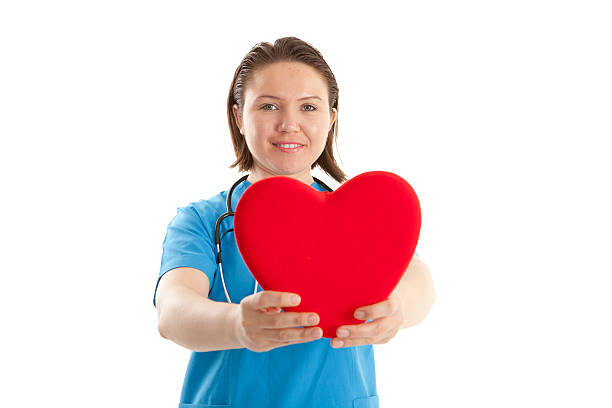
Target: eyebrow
276, 97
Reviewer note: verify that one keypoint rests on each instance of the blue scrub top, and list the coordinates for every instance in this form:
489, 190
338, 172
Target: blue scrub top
311, 374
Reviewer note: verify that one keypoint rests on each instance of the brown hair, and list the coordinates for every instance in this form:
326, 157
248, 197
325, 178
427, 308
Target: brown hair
290, 49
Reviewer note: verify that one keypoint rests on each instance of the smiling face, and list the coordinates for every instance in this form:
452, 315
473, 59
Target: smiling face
285, 120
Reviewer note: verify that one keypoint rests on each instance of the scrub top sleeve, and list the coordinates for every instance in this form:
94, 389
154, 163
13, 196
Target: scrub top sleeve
189, 242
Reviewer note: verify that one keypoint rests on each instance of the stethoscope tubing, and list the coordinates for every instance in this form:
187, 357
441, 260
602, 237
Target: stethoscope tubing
230, 213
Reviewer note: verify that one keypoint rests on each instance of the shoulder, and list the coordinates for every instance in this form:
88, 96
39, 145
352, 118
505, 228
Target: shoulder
204, 210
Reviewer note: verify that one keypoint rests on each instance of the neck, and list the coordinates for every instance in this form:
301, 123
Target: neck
257, 175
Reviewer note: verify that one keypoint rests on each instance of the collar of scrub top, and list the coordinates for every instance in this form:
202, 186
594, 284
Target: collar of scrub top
229, 213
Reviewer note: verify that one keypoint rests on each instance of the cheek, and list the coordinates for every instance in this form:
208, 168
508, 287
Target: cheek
261, 129
319, 134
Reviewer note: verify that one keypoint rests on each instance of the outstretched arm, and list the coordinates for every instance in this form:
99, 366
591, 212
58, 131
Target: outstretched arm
415, 292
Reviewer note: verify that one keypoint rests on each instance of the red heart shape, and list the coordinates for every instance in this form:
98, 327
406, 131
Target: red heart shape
339, 251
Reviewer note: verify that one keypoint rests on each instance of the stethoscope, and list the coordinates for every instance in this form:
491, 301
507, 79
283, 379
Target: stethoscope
229, 213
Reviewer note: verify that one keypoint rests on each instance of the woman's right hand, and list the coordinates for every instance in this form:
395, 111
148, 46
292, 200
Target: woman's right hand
261, 326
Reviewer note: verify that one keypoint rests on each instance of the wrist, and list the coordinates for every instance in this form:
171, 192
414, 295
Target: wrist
236, 326
400, 302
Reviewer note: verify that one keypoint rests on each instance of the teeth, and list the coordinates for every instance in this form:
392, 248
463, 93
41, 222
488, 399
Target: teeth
289, 146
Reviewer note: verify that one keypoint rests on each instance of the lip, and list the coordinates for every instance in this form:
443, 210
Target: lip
282, 149
287, 142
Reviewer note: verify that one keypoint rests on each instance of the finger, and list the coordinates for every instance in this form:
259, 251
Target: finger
371, 330
338, 343
294, 335
375, 329
360, 341
310, 335
289, 319
377, 310
268, 298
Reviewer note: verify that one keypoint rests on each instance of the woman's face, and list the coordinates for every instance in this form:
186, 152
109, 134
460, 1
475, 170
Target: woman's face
285, 104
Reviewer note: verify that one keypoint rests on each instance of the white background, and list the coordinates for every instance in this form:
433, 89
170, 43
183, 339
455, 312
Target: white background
112, 115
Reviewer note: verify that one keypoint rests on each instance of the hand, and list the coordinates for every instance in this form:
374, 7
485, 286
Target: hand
261, 326
386, 318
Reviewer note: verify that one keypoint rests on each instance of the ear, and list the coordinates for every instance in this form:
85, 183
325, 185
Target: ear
334, 117
236, 117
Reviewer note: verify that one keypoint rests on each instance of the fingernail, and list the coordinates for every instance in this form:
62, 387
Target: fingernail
295, 300
359, 315
338, 343
343, 333
312, 320
315, 333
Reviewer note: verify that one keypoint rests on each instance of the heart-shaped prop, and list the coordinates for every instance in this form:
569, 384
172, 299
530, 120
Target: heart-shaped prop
339, 251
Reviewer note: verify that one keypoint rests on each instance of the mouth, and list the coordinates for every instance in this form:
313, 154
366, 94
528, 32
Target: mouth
288, 147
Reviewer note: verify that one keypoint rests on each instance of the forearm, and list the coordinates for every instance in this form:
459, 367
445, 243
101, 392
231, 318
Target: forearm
416, 292
198, 323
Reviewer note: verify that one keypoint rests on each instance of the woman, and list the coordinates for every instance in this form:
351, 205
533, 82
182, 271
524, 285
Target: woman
282, 113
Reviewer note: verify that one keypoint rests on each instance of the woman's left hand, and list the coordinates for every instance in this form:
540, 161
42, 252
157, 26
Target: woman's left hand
387, 317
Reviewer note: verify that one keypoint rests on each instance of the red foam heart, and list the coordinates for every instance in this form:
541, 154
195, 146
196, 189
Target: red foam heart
339, 250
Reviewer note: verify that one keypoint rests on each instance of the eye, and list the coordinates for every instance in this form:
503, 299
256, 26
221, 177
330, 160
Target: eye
314, 108
267, 104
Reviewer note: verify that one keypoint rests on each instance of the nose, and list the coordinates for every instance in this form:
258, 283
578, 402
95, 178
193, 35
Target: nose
289, 121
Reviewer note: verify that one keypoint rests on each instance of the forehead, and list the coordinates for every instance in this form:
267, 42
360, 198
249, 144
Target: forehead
287, 80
